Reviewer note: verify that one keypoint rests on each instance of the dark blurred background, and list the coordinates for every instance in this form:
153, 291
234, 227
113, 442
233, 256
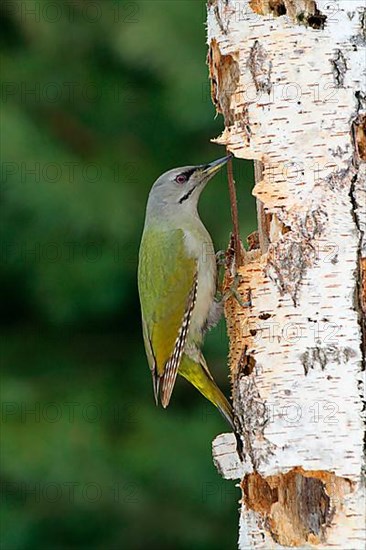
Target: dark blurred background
98, 99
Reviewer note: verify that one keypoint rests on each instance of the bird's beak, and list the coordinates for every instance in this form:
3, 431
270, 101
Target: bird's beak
213, 167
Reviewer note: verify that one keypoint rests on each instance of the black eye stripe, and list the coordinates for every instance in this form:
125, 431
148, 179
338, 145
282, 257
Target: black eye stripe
188, 173
187, 195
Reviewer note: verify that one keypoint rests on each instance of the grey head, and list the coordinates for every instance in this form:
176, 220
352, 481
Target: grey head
178, 190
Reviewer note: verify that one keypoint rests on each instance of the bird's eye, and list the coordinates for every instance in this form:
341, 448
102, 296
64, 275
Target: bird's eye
181, 178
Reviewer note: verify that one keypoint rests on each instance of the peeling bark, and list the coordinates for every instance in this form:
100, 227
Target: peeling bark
287, 76
297, 507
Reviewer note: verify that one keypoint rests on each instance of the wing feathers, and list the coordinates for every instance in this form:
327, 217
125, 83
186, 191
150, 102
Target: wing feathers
151, 360
167, 301
172, 365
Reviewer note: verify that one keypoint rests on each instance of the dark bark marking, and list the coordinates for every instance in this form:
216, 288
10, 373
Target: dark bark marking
339, 68
260, 67
289, 258
324, 355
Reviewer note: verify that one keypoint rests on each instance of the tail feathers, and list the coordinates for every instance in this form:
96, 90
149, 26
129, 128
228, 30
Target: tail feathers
163, 385
226, 410
199, 375
156, 386
167, 382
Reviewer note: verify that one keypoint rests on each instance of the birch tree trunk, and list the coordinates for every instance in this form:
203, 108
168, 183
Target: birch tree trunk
288, 78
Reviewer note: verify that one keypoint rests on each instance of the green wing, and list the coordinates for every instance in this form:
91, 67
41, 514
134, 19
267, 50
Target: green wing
167, 282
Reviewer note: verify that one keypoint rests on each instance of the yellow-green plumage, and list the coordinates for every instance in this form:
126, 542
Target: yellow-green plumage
177, 284
164, 297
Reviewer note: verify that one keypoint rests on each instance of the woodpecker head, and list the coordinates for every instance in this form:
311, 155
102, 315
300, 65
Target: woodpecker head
182, 187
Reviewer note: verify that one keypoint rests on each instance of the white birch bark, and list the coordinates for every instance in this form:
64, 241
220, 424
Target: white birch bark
289, 78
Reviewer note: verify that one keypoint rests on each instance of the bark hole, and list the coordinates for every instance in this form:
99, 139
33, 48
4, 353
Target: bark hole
359, 133
304, 12
316, 21
277, 7
296, 507
247, 362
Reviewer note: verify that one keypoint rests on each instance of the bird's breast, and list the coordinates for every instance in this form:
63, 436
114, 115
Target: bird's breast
199, 245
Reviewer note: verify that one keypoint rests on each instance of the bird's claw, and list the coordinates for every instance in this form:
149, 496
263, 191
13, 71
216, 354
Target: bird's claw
220, 258
233, 291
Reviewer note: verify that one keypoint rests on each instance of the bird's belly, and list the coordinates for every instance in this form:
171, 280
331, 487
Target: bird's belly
206, 287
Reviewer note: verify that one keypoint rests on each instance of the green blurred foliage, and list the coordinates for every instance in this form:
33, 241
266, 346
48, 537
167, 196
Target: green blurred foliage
98, 99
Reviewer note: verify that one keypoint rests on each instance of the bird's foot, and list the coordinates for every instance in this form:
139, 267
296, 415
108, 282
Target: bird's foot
233, 291
220, 258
